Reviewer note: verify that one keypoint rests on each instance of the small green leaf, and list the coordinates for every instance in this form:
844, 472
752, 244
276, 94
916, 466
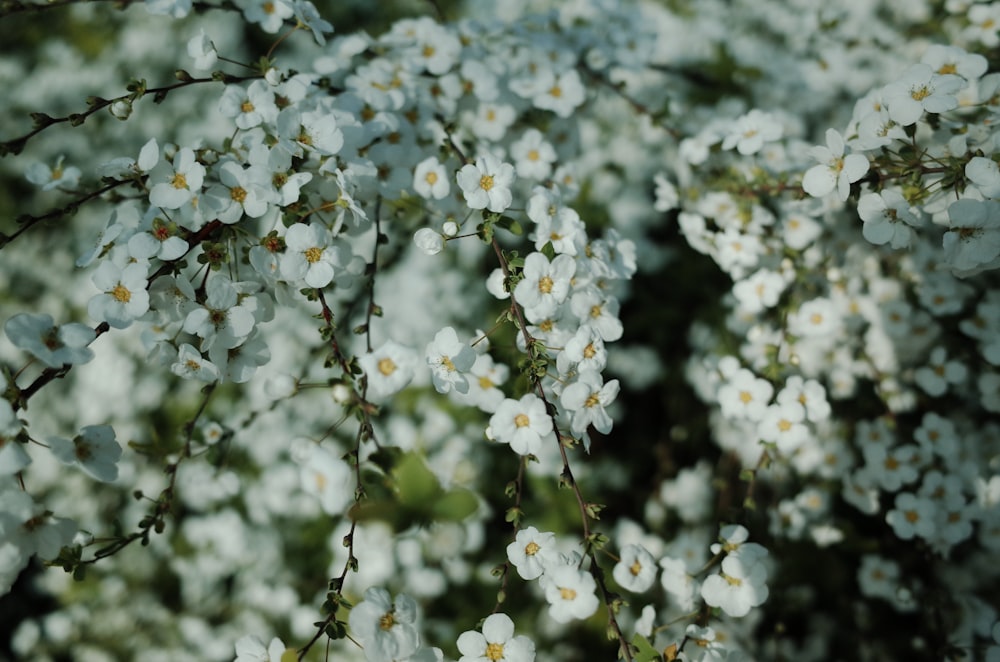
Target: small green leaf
644, 650
455, 505
508, 223
416, 484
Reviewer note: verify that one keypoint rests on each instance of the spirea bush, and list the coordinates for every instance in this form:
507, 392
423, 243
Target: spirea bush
477, 331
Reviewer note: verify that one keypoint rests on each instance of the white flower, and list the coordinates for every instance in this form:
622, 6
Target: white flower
430, 242
814, 318
269, 14
486, 185
920, 89
387, 630
13, 457
430, 179
495, 643
66, 178
522, 424
532, 551
485, 377
563, 95
241, 191
913, 516
449, 358
740, 586
745, 396
570, 592
388, 369
328, 478
835, 171
600, 310
782, 424
310, 255
935, 377
985, 174
973, 239
53, 345
94, 449
190, 364
749, 132
251, 649
676, 581
222, 319
201, 49
307, 16
30, 528
809, 393
636, 569
159, 240
533, 155
888, 218
124, 297
172, 188
584, 351
544, 284
586, 398
249, 106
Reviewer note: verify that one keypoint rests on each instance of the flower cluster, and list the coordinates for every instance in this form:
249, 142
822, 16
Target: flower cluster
612, 321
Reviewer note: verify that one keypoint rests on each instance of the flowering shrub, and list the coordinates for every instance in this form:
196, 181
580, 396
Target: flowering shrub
590, 330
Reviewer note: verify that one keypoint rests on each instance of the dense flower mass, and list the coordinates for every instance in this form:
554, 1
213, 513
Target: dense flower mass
493, 330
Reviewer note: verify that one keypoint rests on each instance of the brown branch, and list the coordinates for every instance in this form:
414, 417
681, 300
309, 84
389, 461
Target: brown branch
137, 90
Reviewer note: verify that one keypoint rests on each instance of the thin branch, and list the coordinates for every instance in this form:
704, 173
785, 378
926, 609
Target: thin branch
137, 90
27, 221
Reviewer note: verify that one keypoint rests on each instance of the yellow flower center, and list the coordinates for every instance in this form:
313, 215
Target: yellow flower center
428, 51
567, 593
784, 425
386, 366
947, 69
314, 254
246, 107
446, 362
494, 652
486, 182
485, 383
635, 569
521, 420
387, 621
545, 284
533, 155
268, 7
238, 193
592, 401
589, 351
531, 548
920, 93
556, 91
121, 293
179, 181
431, 178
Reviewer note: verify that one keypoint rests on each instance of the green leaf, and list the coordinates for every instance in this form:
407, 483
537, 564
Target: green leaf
508, 223
416, 484
386, 457
645, 651
455, 505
